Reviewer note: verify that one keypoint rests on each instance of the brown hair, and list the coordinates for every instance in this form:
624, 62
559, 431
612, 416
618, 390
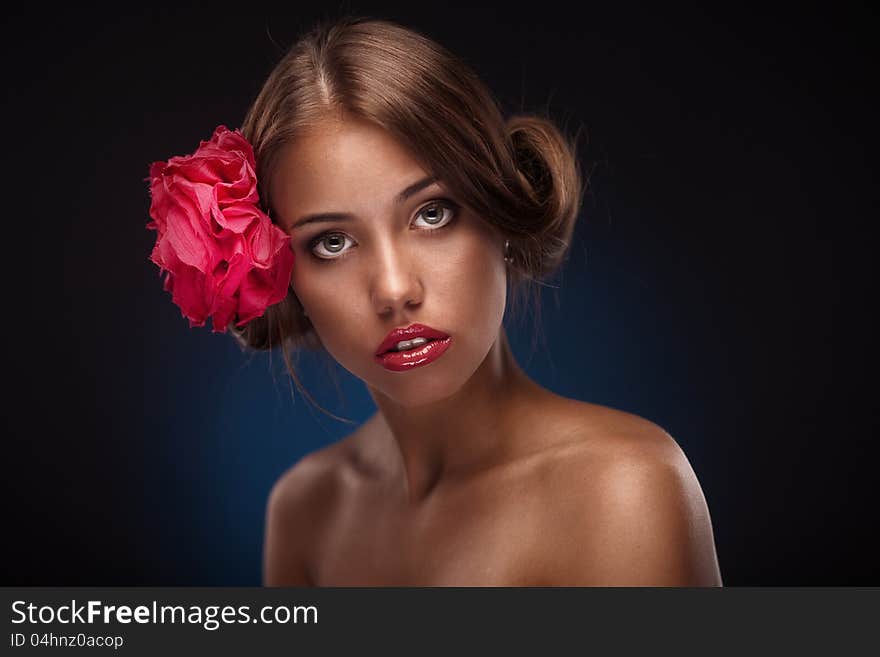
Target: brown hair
520, 174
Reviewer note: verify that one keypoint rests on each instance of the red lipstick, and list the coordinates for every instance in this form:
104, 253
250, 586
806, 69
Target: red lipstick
422, 353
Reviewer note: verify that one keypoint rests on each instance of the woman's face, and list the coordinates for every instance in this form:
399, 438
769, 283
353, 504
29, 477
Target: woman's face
386, 258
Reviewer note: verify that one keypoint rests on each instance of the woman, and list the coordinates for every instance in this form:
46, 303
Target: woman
414, 210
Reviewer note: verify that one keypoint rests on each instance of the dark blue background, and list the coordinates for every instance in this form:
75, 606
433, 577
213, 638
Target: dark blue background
729, 194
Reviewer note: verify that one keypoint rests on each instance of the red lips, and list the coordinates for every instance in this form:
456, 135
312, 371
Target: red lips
408, 333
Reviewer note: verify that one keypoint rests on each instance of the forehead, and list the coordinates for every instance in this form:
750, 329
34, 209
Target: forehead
338, 165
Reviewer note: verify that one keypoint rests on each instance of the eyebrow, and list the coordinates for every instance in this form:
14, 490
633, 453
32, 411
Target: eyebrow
415, 188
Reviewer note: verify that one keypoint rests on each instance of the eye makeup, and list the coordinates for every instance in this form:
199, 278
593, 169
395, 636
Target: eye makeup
445, 204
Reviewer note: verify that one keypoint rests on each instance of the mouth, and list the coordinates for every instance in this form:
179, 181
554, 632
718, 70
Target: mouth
416, 356
408, 346
412, 337
415, 345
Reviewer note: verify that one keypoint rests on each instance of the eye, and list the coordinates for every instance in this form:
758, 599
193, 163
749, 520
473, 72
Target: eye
437, 214
328, 246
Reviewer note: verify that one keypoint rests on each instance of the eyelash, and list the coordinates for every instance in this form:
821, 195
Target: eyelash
440, 202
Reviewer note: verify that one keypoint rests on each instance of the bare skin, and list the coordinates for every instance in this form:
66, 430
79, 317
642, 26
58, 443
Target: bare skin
469, 473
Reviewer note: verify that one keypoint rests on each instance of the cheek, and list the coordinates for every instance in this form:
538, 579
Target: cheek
332, 304
473, 288
337, 303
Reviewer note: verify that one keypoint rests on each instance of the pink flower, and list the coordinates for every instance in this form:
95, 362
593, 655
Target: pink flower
224, 257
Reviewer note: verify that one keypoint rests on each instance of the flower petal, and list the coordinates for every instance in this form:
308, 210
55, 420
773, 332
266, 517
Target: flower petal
221, 254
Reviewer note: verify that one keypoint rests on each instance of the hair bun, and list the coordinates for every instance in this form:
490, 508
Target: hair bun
548, 163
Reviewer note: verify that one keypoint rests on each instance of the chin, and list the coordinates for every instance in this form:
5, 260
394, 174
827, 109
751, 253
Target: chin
411, 398
422, 385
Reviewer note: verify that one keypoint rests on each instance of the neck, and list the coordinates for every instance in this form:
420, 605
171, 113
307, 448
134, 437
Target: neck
461, 434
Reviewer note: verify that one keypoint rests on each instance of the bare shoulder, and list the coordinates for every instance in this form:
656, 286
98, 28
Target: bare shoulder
299, 506
600, 435
632, 509
311, 478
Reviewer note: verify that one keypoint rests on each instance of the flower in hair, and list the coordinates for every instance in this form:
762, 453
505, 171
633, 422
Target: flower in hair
222, 256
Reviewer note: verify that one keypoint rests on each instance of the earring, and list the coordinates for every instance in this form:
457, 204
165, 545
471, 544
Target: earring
507, 258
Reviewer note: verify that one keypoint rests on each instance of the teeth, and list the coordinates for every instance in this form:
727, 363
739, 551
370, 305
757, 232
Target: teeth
409, 344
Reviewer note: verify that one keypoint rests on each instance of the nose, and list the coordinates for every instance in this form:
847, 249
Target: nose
395, 285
